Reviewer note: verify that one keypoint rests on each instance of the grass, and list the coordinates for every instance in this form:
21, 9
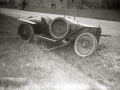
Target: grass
46, 69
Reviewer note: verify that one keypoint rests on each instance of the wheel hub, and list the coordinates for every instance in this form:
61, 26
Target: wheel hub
25, 32
85, 44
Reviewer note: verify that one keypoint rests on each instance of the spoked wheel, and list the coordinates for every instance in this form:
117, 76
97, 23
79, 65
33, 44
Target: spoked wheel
26, 32
85, 44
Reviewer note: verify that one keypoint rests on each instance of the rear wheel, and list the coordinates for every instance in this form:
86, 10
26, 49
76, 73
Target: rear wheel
26, 32
85, 44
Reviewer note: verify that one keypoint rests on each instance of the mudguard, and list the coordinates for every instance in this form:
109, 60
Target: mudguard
27, 21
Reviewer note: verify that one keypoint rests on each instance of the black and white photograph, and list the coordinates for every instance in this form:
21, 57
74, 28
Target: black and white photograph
59, 44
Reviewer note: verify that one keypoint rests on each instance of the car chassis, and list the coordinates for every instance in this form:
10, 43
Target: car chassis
61, 29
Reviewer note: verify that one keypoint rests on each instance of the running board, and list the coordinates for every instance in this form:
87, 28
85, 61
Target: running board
52, 48
106, 35
58, 46
40, 36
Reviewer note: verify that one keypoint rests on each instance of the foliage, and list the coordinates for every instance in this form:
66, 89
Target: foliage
104, 4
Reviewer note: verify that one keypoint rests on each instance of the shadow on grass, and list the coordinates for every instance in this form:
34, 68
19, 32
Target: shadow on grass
3, 33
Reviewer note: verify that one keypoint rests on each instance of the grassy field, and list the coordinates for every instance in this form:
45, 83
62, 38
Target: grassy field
47, 69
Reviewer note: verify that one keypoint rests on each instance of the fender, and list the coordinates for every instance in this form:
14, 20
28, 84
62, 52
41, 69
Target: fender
27, 21
86, 25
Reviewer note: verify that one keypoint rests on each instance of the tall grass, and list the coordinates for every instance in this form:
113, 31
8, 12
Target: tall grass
46, 69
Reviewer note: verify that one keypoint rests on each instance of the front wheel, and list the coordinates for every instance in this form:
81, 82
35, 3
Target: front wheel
26, 32
85, 44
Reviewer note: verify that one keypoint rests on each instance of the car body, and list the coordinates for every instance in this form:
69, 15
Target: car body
61, 29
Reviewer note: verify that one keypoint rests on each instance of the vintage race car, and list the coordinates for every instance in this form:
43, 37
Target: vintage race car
61, 29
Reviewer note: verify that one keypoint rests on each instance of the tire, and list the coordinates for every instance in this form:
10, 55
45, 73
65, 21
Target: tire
26, 32
85, 44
